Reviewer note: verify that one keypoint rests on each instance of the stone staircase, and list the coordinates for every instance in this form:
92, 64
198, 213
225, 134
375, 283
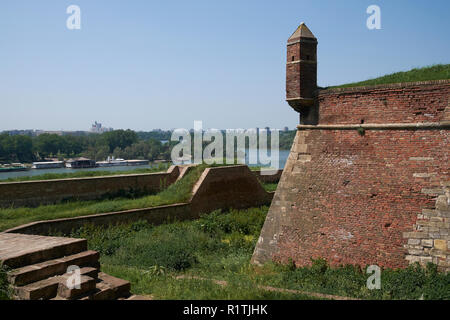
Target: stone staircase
37, 270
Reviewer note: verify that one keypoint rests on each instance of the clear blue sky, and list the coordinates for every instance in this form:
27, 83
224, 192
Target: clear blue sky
163, 64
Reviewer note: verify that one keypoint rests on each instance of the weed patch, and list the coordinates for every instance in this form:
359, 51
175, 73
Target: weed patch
219, 246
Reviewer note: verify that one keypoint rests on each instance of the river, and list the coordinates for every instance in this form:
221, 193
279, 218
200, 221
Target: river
37, 172
284, 154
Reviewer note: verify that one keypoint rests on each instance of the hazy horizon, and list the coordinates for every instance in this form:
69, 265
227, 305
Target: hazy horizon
145, 65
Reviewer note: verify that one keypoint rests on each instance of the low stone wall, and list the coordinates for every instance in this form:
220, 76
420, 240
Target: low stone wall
155, 215
33, 193
228, 187
218, 188
41, 192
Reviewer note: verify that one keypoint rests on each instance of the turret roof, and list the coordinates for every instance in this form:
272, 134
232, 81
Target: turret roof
302, 32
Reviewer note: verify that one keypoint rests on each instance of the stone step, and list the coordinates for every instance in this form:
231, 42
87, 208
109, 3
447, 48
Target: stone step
120, 288
43, 270
41, 290
102, 292
87, 284
48, 288
19, 250
106, 288
137, 298
91, 271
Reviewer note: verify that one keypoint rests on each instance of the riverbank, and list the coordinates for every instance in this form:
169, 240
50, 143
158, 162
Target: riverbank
178, 192
65, 173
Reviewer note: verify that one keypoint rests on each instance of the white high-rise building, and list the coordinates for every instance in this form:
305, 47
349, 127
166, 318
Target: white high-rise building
97, 128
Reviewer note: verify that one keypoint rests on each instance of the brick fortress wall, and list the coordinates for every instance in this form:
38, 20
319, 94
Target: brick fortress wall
369, 184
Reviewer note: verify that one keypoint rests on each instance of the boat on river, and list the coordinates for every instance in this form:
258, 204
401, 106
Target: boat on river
111, 162
48, 165
137, 162
80, 163
13, 167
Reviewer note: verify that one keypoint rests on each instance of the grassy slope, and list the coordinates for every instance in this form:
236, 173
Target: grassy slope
85, 174
175, 193
219, 246
152, 258
435, 72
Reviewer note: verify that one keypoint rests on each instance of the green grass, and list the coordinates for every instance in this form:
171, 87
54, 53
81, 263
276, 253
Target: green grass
219, 246
151, 257
270, 187
166, 287
86, 174
434, 72
178, 192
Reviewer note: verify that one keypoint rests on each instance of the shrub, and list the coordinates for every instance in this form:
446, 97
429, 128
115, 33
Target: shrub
413, 282
242, 221
165, 250
361, 131
5, 289
108, 240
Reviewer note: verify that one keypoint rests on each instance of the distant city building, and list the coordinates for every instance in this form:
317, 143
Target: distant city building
39, 132
286, 129
19, 132
35, 133
97, 128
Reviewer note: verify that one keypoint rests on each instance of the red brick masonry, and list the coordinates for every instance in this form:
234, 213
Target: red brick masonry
373, 196
393, 103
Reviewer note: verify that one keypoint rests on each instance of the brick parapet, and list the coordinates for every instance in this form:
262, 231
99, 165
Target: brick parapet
398, 85
416, 102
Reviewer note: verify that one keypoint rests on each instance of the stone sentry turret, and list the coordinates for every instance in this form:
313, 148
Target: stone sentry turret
367, 181
301, 74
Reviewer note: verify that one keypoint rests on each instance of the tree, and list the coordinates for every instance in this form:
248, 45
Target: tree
73, 145
47, 144
102, 153
4, 145
118, 153
119, 138
23, 148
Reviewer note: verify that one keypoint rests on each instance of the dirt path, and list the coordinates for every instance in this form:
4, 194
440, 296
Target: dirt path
268, 288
